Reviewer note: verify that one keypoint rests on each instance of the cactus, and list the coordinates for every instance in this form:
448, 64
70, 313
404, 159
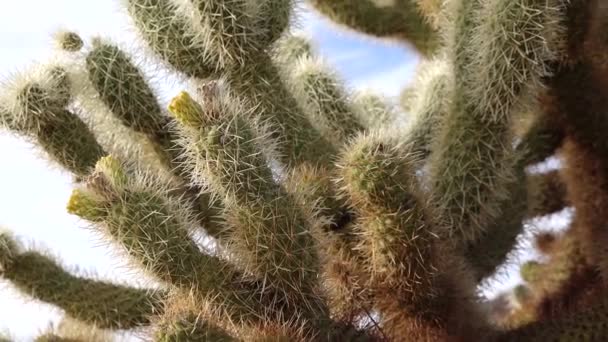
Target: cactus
95, 302
400, 19
36, 108
270, 202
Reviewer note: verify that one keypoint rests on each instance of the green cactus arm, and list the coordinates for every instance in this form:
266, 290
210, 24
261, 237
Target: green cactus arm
375, 179
174, 37
171, 37
402, 254
401, 20
473, 158
269, 231
491, 249
99, 303
154, 232
318, 91
235, 29
252, 75
321, 95
260, 84
529, 195
316, 193
123, 88
152, 228
429, 101
36, 108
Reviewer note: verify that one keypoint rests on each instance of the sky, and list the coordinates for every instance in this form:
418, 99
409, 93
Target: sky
33, 193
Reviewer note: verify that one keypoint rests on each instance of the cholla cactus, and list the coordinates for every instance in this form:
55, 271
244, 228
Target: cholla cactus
270, 202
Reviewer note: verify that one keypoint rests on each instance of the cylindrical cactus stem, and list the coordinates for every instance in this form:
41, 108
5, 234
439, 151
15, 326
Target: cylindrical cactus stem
226, 27
319, 92
123, 88
399, 19
528, 196
316, 192
152, 228
172, 37
473, 158
235, 29
377, 179
402, 254
260, 84
372, 110
125, 113
95, 302
428, 104
321, 95
200, 51
36, 109
269, 231
154, 231
491, 249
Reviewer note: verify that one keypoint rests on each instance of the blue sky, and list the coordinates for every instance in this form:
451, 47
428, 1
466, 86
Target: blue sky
33, 193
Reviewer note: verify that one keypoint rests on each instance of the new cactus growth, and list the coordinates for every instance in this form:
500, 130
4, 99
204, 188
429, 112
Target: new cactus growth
322, 218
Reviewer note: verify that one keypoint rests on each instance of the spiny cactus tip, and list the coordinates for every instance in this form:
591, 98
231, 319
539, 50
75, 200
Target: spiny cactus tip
110, 166
85, 204
68, 41
186, 110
